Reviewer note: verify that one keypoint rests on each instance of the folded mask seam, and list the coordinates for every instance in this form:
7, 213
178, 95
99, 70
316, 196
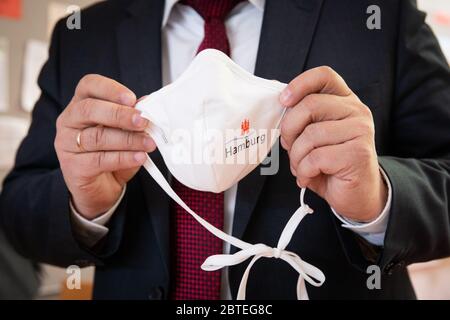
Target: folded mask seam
273, 85
235, 69
245, 75
206, 130
169, 125
241, 72
191, 186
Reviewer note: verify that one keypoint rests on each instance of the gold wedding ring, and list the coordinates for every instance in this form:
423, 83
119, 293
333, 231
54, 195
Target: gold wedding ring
80, 146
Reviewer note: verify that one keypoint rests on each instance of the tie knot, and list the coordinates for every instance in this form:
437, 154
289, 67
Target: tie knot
212, 9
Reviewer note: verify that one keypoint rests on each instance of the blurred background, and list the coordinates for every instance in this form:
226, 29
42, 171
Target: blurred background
25, 29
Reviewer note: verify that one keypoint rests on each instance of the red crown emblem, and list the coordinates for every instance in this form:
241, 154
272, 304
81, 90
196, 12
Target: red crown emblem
245, 127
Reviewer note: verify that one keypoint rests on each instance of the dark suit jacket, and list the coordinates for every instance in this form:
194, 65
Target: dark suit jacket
398, 71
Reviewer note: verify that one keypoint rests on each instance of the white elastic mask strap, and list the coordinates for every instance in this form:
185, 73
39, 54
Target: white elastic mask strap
150, 166
306, 271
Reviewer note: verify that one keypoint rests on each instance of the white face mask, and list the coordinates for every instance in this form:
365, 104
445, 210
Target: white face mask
213, 126
216, 123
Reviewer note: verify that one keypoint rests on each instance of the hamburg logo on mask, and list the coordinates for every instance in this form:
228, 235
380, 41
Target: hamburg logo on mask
245, 127
247, 139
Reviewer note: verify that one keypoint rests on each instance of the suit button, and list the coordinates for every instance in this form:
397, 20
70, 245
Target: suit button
156, 294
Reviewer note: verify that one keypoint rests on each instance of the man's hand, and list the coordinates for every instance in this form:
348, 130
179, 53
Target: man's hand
329, 135
112, 143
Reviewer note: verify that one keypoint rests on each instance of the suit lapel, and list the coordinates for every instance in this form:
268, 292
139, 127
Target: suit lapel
139, 50
139, 46
286, 35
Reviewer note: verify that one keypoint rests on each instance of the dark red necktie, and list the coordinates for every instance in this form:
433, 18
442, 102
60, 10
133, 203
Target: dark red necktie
192, 243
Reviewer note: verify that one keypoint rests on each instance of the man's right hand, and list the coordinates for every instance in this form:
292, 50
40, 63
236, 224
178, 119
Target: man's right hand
100, 143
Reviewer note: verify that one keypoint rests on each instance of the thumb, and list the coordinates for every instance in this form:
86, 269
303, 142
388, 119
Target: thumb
318, 80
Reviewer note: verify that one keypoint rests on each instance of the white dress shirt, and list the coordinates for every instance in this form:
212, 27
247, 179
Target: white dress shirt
182, 32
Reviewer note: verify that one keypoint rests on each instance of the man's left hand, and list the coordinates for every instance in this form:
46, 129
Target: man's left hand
330, 138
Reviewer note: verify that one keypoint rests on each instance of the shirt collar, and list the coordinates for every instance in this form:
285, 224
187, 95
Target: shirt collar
169, 4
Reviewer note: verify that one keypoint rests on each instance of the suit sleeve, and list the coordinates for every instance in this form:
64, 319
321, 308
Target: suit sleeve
34, 204
419, 163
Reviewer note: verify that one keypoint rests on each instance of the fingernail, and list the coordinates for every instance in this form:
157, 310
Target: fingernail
128, 99
148, 142
139, 157
139, 121
286, 96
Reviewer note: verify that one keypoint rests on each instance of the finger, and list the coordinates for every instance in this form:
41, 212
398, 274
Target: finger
333, 160
325, 133
102, 88
313, 108
101, 138
95, 163
317, 80
311, 170
91, 112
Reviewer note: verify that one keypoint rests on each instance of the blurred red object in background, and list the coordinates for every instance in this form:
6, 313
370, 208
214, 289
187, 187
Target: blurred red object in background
442, 18
11, 9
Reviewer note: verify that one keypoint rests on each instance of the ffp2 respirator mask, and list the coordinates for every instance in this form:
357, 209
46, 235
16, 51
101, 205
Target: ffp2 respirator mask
210, 139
